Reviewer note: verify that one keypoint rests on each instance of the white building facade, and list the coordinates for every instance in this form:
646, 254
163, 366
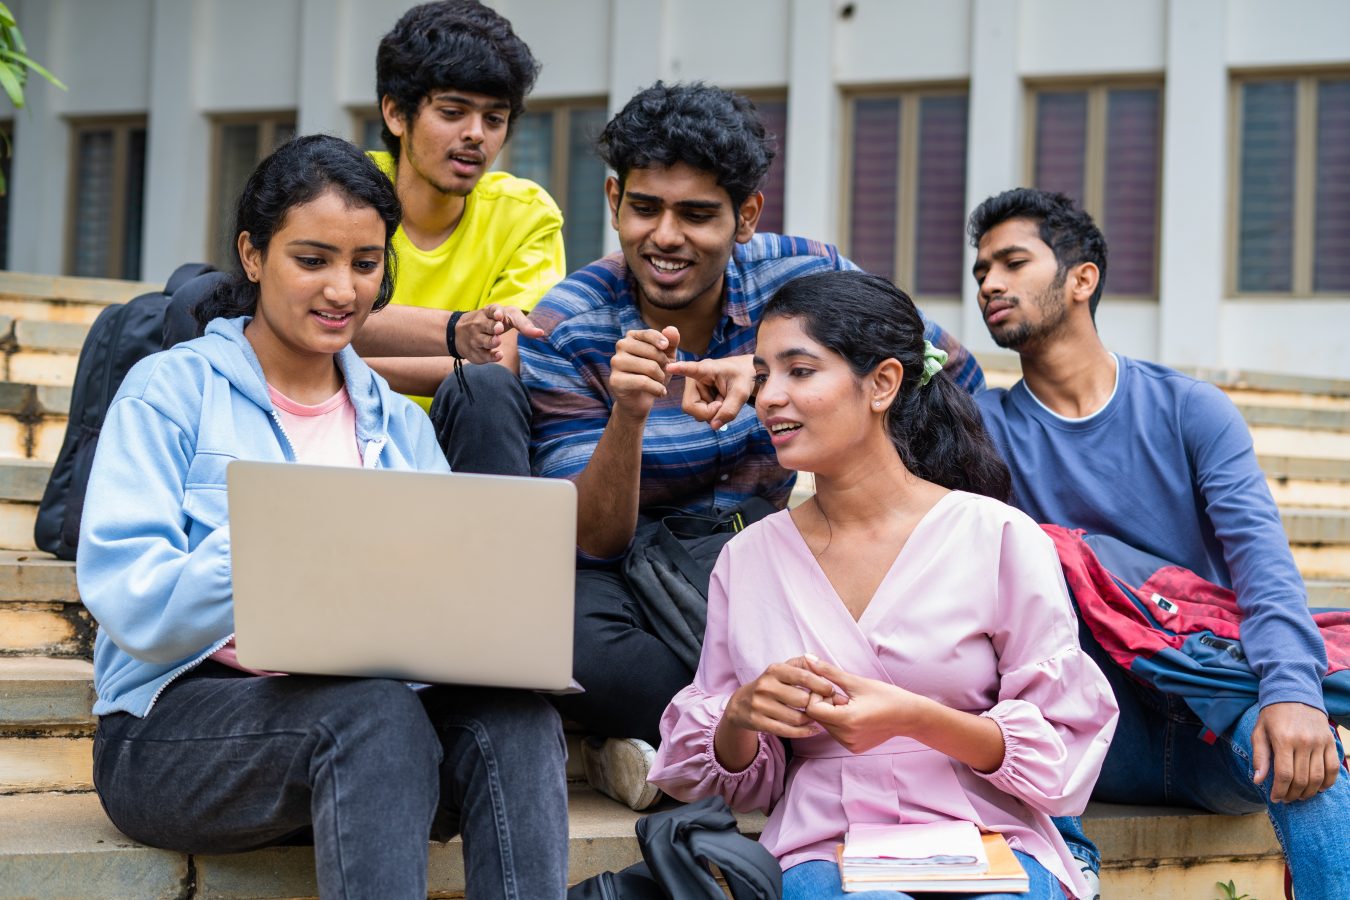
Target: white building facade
1211, 138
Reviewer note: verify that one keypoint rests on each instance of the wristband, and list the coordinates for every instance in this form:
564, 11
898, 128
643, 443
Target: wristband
450, 334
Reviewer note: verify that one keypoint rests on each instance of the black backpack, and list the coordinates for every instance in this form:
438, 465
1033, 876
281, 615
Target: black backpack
122, 335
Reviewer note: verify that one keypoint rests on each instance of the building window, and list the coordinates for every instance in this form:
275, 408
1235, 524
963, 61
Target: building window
107, 198
1292, 185
240, 142
906, 188
6, 167
554, 145
773, 113
1101, 145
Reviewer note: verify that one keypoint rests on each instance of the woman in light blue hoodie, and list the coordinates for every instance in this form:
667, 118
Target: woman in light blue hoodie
197, 754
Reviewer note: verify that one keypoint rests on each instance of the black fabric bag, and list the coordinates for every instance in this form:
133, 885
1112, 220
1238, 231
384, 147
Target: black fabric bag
678, 848
121, 336
670, 563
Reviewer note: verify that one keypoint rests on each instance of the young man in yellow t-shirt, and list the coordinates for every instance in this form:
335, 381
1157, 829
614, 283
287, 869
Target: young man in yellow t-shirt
476, 249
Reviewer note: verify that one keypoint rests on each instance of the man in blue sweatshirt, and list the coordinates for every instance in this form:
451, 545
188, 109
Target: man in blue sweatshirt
1165, 463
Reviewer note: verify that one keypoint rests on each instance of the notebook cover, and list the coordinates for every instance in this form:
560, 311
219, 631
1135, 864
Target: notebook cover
1005, 875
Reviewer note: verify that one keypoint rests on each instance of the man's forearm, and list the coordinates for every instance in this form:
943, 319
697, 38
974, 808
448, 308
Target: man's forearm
607, 489
417, 375
399, 330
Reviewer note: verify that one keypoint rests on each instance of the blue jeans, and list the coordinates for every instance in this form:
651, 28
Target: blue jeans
1158, 756
365, 769
819, 880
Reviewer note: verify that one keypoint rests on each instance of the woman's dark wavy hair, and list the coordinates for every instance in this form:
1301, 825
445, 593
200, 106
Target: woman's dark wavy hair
705, 127
452, 44
296, 173
936, 428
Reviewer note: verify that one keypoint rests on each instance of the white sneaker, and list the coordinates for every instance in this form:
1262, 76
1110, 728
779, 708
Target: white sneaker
618, 767
1094, 881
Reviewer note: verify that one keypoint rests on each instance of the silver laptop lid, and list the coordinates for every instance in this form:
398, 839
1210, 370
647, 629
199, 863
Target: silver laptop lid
462, 579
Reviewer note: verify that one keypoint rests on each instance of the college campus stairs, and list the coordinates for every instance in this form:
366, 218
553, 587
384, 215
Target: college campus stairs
55, 840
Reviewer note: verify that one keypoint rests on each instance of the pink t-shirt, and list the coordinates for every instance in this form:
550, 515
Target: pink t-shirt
321, 435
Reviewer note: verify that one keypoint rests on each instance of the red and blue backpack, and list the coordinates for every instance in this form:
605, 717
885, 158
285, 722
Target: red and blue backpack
1174, 630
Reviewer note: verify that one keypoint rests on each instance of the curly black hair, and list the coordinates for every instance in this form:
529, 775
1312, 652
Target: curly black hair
705, 127
1067, 230
452, 43
294, 174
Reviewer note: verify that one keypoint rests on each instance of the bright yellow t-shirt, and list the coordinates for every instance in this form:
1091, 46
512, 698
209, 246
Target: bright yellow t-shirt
507, 248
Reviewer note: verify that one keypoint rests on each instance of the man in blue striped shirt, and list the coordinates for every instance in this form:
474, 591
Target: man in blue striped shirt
639, 384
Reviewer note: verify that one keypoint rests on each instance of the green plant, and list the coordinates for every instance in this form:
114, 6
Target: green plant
1229, 891
15, 65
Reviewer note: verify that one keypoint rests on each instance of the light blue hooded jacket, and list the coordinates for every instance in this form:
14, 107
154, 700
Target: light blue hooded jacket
154, 557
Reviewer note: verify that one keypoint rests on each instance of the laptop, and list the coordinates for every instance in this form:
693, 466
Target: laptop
456, 579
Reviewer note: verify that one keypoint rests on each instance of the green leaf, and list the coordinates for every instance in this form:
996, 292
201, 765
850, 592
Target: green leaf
11, 84
32, 64
7, 17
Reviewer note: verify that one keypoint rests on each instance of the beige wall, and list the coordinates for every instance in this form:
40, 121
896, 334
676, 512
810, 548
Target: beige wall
182, 61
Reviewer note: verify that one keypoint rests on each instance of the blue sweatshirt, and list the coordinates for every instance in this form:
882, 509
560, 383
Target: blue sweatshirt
1168, 466
153, 565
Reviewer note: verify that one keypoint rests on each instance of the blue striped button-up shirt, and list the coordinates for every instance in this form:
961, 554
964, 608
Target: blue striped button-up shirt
685, 464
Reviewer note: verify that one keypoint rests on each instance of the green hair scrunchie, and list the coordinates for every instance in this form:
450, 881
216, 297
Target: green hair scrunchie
933, 361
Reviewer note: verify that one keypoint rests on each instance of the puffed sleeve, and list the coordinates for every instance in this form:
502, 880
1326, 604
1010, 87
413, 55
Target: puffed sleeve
686, 765
1055, 707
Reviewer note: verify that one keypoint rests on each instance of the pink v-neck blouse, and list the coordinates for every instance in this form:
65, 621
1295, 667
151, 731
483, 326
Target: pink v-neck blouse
973, 613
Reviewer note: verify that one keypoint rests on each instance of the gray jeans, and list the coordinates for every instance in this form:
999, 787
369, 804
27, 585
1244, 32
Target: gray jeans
367, 769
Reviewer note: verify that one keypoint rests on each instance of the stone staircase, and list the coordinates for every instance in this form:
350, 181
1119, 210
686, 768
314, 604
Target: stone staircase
56, 842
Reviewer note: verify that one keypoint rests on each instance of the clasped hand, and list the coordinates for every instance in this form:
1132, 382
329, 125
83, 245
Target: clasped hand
800, 697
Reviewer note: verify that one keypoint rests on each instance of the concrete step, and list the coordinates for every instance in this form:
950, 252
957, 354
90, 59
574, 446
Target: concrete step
1298, 492
55, 845
48, 298
1317, 527
1302, 443
32, 420
22, 482
63, 845
40, 609
42, 336
1329, 593
43, 691
51, 758
1305, 467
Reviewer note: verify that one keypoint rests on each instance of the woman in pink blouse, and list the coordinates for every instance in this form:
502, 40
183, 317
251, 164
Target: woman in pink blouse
904, 629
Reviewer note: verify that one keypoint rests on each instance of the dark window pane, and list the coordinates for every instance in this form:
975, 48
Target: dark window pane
1061, 142
773, 113
281, 133
587, 213
941, 219
1331, 250
1131, 191
370, 133
93, 202
872, 196
7, 130
532, 149
1266, 226
134, 215
239, 153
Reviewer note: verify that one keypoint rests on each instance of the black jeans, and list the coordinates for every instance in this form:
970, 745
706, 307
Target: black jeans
489, 435
366, 768
628, 673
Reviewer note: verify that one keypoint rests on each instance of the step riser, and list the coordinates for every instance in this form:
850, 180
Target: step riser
32, 764
64, 631
65, 311
35, 367
1319, 494
26, 437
